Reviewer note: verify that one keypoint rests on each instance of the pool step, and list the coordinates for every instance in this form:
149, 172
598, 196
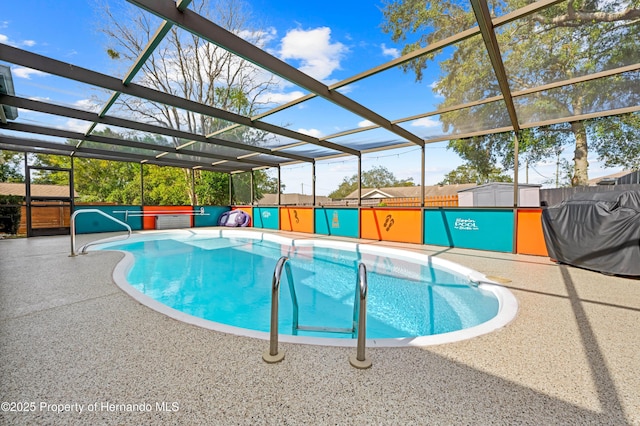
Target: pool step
325, 329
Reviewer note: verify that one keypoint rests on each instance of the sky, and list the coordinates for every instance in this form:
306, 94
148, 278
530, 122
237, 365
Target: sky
329, 40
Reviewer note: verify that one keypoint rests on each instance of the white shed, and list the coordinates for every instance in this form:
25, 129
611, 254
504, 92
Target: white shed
499, 194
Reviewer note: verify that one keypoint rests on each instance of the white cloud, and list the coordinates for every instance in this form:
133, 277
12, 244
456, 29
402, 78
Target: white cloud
318, 56
344, 167
347, 89
4, 39
280, 98
426, 122
75, 125
259, 38
311, 132
390, 51
365, 123
40, 98
435, 90
26, 73
87, 105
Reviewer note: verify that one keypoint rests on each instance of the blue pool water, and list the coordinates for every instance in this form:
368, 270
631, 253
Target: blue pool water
227, 279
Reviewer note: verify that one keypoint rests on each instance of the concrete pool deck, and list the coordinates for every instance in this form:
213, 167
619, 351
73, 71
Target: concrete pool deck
69, 335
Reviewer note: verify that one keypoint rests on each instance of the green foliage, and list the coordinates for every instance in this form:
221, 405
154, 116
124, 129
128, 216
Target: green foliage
376, 177
166, 186
564, 41
95, 180
212, 188
617, 140
262, 184
484, 154
10, 213
119, 182
113, 54
189, 67
468, 174
10, 166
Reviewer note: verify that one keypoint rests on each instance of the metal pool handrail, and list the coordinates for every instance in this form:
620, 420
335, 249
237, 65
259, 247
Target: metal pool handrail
73, 228
272, 355
360, 319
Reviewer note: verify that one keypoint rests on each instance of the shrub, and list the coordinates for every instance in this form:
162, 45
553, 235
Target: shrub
10, 213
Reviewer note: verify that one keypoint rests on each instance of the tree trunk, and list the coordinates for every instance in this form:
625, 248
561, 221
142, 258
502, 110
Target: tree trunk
581, 164
192, 196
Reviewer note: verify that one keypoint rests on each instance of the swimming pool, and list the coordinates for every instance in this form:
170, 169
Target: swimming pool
221, 279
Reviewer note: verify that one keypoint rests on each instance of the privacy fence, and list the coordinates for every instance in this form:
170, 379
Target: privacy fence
513, 230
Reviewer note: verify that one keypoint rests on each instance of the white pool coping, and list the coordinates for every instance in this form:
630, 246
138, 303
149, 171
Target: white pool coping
507, 303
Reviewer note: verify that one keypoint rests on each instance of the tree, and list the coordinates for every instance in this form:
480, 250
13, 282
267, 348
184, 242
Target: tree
187, 66
212, 188
262, 184
467, 174
98, 180
119, 182
489, 156
567, 40
10, 166
94, 180
165, 186
617, 140
376, 177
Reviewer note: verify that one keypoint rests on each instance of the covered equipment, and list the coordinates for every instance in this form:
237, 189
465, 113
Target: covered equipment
598, 231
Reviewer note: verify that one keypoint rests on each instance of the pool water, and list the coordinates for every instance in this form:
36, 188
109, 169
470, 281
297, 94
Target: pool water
228, 280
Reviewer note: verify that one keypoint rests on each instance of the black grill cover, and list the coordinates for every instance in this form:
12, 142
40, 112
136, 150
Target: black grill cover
596, 230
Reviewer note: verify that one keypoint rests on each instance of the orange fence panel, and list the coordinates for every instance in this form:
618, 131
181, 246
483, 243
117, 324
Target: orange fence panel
384, 224
529, 234
299, 219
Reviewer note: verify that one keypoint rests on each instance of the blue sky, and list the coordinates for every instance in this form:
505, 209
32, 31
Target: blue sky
329, 40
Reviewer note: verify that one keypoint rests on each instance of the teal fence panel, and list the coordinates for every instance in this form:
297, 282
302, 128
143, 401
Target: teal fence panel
88, 223
266, 217
482, 229
340, 222
210, 216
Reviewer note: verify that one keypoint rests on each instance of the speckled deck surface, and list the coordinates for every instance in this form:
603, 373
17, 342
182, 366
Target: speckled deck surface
75, 349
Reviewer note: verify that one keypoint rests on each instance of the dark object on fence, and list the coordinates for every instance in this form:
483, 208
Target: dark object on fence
597, 231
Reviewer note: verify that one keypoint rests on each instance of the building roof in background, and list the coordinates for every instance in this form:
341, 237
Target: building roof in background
614, 178
410, 191
10, 188
292, 199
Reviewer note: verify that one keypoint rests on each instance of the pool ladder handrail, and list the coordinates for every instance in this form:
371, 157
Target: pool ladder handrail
272, 355
83, 249
360, 320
